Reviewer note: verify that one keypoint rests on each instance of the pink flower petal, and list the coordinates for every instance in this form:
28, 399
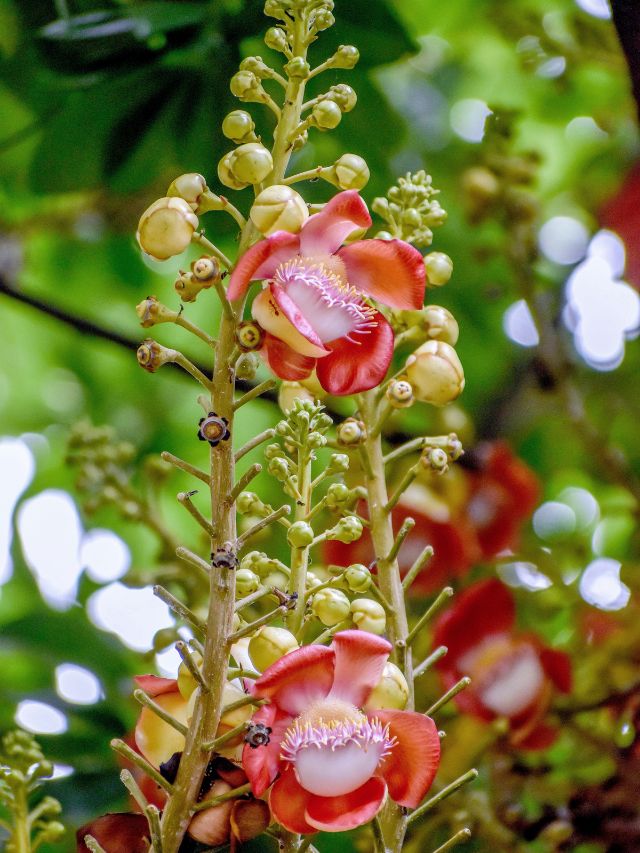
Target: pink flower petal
360, 658
411, 767
390, 271
153, 685
337, 814
261, 764
326, 231
299, 678
288, 801
557, 666
261, 261
353, 367
278, 314
284, 361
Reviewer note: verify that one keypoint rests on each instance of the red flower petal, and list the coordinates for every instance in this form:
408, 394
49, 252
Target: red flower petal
390, 271
297, 679
360, 658
288, 802
485, 608
541, 737
326, 231
284, 361
116, 833
262, 763
278, 315
353, 367
337, 814
153, 685
557, 666
411, 767
261, 261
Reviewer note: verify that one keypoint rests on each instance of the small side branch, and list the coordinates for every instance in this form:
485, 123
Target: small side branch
252, 626
404, 484
461, 685
179, 609
458, 838
189, 661
429, 661
417, 567
442, 599
469, 776
141, 697
193, 559
184, 498
276, 515
267, 435
134, 757
254, 392
244, 481
185, 466
407, 526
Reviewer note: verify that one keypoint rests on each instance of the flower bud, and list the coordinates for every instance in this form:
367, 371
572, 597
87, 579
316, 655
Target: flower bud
188, 187
312, 580
399, 393
247, 366
346, 56
330, 606
440, 324
392, 691
289, 392
380, 205
276, 39
186, 682
187, 287
300, 534
213, 429
368, 615
350, 172
226, 176
279, 208
247, 87
344, 96
338, 494
480, 185
257, 65
323, 20
166, 227
436, 373
326, 115
435, 459
384, 235
246, 582
269, 644
297, 68
351, 432
358, 577
152, 356
275, 580
338, 463
251, 163
249, 335
164, 638
438, 267
206, 269
246, 503
239, 127
150, 312
348, 529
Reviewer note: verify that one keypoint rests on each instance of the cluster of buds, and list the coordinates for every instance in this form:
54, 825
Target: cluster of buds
250, 163
317, 15
331, 606
411, 210
151, 312
258, 569
438, 453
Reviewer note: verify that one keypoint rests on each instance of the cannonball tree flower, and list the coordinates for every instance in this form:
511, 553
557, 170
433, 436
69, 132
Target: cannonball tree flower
513, 675
330, 762
316, 303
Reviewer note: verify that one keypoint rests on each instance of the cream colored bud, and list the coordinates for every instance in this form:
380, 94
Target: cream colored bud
166, 227
189, 187
246, 582
399, 393
151, 312
326, 115
346, 56
152, 356
251, 163
226, 176
186, 682
351, 172
436, 373
269, 644
279, 208
368, 615
206, 269
276, 39
247, 87
290, 391
239, 127
392, 691
440, 324
358, 577
351, 432
330, 606
438, 267
344, 96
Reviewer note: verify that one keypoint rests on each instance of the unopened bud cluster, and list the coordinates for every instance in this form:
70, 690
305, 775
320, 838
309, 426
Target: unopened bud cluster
411, 209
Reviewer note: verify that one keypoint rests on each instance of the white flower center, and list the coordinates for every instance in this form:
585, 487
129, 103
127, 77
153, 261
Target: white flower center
319, 289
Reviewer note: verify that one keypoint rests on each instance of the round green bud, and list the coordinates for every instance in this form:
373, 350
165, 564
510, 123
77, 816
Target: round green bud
166, 228
316, 439
384, 235
238, 126
247, 365
297, 68
435, 459
323, 20
392, 691
276, 39
347, 530
358, 577
278, 468
399, 393
337, 494
438, 267
273, 451
312, 580
246, 582
339, 463
437, 215
277, 580
163, 638
279, 208
270, 644
251, 559
330, 606
255, 64
326, 115
411, 217
226, 176
380, 205
435, 373
368, 615
351, 172
248, 502
251, 163
344, 96
351, 432
246, 86
300, 534
346, 56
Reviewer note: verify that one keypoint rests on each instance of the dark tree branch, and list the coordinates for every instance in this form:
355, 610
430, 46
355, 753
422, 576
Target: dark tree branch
626, 17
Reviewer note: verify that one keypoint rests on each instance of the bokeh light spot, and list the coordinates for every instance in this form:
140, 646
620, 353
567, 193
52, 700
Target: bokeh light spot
40, 718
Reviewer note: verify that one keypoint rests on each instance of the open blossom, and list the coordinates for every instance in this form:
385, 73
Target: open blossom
332, 762
316, 303
512, 675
